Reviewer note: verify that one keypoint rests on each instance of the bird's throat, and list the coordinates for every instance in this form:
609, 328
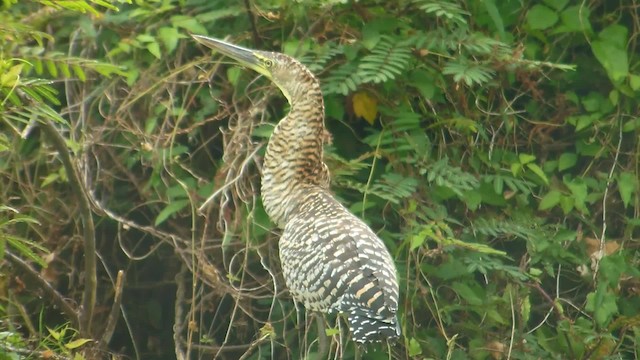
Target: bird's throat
294, 158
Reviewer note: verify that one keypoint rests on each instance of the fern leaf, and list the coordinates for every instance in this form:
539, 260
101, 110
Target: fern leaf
387, 60
447, 9
469, 73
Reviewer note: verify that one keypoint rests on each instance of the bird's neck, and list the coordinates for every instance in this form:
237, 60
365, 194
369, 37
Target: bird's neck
293, 160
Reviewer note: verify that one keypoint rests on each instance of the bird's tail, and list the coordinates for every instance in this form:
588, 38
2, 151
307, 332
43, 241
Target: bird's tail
367, 329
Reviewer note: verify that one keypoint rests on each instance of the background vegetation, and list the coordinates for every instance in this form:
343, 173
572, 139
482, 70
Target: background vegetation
493, 145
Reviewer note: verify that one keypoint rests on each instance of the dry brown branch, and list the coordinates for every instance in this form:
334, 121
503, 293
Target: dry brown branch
89, 241
114, 314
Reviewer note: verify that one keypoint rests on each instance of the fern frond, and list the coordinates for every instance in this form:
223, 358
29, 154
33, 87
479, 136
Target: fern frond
388, 59
391, 187
451, 177
342, 80
318, 59
396, 138
442, 8
468, 72
57, 64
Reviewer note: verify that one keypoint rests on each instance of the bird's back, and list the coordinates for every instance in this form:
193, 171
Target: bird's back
332, 261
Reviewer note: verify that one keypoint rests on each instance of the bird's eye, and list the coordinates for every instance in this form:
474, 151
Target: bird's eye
268, 63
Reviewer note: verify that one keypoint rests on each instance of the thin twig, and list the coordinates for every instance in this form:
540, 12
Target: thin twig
178, 325
114, 314
52, 293
605, 196
89, 241
252, 20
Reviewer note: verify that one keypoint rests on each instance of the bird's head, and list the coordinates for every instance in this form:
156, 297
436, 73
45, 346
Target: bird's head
287, 73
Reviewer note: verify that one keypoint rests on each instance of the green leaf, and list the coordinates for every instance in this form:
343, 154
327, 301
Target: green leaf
79, 72
169, 37
567, 160
556, 4
541, 17
54, 334
468, 294
414, 347
538, 171
634, 82
526, 158
51, 67
579, 191
154, 49
602, 303
190, 24
574, 19
631, 125
332, 331
627, 185
612, 58
550, 200
616, 35
171, 209
566, 204
76, 343
494, 14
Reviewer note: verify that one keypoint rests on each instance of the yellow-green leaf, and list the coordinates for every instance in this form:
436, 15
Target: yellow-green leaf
76, 343
51, 67
10, 78
365, 106
627, 185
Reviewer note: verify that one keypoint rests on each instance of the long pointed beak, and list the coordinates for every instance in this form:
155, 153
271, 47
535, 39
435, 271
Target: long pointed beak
244, 56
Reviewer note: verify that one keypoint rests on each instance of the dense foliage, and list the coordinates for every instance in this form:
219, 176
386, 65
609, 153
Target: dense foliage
493, 145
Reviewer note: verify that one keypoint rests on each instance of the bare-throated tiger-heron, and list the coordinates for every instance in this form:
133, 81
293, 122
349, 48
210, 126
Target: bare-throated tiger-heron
331, 260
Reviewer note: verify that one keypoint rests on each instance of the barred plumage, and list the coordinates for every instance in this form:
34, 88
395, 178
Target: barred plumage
331, 260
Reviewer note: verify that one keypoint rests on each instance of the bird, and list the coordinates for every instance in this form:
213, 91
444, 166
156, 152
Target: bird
332, 261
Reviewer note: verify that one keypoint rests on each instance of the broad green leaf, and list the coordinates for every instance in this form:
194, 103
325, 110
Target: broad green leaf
574, 19
627, 185
612, 58
414, 347
465, 292
145, 38
538, 171
602, 304
566, 204
526, 158
567, 160
579, 191
169, 37
556, 4
634, 82
154, 49
550, 200
190, 24
631, 125
616, 35
541, 17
